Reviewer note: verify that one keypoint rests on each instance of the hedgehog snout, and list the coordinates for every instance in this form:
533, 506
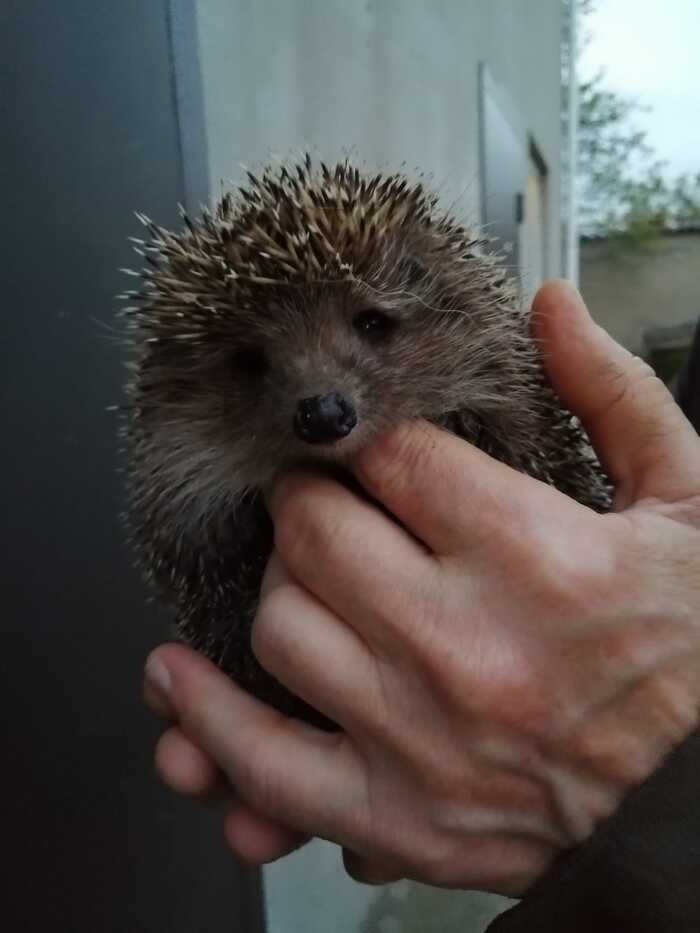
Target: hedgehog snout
322, 419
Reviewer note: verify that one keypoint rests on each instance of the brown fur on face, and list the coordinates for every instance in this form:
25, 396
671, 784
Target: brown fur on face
246, 313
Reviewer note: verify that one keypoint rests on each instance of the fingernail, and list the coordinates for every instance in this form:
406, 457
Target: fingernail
158, 675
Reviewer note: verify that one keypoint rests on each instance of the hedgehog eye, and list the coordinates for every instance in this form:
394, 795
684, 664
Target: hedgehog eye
249, 361
374, 325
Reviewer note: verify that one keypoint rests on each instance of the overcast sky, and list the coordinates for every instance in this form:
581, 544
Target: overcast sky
650, 49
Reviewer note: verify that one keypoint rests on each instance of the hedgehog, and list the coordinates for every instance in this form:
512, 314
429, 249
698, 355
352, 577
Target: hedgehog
313, 308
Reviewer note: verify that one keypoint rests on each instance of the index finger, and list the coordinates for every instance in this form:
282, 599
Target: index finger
276, 575
286, 770
448, 493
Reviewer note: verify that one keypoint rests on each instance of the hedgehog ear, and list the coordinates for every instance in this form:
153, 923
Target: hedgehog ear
412, 269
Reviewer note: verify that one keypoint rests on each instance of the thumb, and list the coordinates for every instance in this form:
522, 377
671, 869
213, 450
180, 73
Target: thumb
640, 435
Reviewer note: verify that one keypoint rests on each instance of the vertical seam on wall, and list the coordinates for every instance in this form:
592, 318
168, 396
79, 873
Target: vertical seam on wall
188, 101
543, 169
175, 101
481, 132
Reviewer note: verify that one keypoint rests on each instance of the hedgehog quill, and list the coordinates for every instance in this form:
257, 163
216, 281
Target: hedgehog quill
313, 308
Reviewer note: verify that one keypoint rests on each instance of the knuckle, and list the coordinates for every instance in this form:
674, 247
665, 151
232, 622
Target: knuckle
296, 530
256, 781
197, 703
437, 650
609, 755
625, 651
640, 371
435, 861
574, 580
617, 379
291, 523
635, 381
389, 462
570, 588
649, 390
268, 640
415, 615
305, 527
260, 772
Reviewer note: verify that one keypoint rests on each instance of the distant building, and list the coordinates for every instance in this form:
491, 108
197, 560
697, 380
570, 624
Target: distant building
647, 298
465, 90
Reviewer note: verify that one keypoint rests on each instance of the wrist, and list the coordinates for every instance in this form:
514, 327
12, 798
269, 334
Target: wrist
622, 746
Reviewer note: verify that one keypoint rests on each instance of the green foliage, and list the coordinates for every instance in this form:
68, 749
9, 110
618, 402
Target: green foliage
623, 192
684, 201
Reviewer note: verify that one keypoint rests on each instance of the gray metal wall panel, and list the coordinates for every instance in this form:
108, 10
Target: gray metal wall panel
91, 843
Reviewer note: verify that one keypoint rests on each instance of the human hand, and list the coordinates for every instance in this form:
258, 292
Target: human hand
503, 674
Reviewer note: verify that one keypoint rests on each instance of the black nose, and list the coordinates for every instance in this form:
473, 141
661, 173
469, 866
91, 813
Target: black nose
324, 418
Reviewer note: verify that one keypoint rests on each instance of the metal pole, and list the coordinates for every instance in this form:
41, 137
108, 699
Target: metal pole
572, 239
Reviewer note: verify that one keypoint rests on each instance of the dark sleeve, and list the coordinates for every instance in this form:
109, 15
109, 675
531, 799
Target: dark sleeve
640, 871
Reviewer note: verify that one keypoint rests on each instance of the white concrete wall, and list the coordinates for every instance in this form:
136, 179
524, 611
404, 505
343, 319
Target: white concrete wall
394, 81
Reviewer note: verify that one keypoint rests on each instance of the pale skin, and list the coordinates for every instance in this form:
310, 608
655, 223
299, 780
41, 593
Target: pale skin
505, 665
